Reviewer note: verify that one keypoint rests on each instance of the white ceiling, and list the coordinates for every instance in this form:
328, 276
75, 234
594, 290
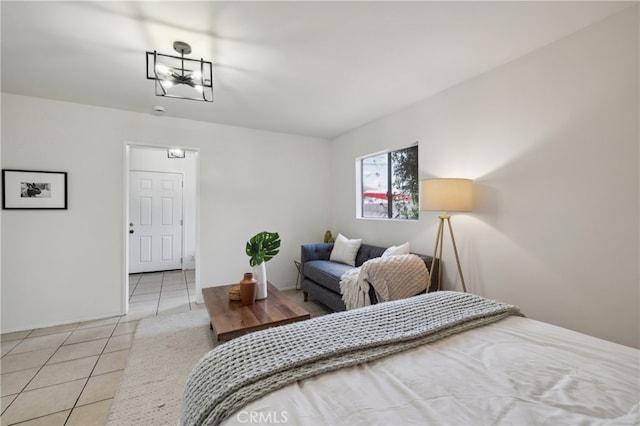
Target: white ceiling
311, 68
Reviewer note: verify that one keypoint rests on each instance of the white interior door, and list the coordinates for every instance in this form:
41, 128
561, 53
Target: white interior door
155, 221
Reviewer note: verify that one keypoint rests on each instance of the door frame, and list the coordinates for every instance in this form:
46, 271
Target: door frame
125, 216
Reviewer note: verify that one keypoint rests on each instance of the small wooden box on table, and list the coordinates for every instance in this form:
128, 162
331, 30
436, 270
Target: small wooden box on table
230, 319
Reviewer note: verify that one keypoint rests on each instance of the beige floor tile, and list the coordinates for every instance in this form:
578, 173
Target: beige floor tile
118, 343
16, 381
78, 350
53, 374
112, 361
170, 310
130, 317
43, 401
137, 315
174, 286
100, 387
172, 294
149, 284
6, 400
150, 278
177, 278
148, 297
180, 278
166, 302
156, 285
98, 323
23, 361
55, 419
142, 307
146, 290
15, 336
173, 301
5, 347
174, 282
53, 330
91, 414
95, 333
40, 342
125, 328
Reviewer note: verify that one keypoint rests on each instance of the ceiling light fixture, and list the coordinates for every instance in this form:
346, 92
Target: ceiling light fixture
180, 77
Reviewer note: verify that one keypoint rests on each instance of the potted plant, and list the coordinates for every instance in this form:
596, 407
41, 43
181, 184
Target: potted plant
328, 238
261, 248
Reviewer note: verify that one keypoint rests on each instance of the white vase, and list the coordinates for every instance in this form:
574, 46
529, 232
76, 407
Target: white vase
260, 273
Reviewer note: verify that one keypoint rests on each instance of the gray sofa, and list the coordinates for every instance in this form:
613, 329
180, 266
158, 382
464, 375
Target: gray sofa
321, 277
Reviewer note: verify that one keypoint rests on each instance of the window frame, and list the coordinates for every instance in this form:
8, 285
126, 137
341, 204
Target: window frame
360, 181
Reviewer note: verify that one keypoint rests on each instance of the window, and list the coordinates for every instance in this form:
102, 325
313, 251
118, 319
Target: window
389, 184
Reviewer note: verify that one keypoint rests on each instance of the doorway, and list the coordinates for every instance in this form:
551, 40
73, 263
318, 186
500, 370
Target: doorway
161, 193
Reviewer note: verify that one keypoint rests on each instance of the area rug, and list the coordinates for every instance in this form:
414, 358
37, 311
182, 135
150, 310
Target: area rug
163, 351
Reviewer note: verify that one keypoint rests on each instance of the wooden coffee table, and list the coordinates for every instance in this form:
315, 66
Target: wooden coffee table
230, 319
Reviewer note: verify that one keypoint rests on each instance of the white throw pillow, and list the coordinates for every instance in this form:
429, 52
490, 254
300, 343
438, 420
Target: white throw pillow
345, 250
397, 250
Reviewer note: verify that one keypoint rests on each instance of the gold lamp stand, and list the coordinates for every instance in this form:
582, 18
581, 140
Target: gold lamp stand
438, 248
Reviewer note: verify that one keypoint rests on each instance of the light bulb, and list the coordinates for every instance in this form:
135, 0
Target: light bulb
163, 69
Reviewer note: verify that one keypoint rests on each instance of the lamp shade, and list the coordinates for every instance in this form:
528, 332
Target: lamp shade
446, 195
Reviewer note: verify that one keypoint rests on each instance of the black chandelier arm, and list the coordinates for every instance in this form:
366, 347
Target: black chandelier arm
155, 71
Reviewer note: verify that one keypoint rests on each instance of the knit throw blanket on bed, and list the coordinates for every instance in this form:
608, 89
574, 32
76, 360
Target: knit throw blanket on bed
245, 369
392, 278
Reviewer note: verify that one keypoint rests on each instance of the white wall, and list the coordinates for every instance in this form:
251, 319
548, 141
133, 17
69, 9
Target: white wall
551, 141
65, 266
152, 159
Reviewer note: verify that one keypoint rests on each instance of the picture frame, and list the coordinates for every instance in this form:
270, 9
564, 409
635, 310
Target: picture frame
33, 189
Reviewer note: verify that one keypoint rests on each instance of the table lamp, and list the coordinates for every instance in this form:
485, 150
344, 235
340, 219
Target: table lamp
446, 195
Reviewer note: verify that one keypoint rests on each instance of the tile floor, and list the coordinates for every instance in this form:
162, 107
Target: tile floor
68, 375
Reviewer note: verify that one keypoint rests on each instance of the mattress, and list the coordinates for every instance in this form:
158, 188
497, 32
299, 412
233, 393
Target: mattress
515, 371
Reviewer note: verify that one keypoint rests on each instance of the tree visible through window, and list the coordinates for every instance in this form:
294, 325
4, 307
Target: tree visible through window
390, 184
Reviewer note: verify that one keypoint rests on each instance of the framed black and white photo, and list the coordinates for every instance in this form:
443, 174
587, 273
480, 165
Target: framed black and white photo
31, 189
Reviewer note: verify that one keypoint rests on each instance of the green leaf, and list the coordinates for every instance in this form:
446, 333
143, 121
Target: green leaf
262, 247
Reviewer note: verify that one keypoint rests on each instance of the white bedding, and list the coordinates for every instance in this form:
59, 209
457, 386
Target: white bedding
516, 371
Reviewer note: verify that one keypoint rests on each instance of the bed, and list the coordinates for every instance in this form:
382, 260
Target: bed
439, 358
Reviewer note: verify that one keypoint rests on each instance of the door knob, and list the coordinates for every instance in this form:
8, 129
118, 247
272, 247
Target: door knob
131, 231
